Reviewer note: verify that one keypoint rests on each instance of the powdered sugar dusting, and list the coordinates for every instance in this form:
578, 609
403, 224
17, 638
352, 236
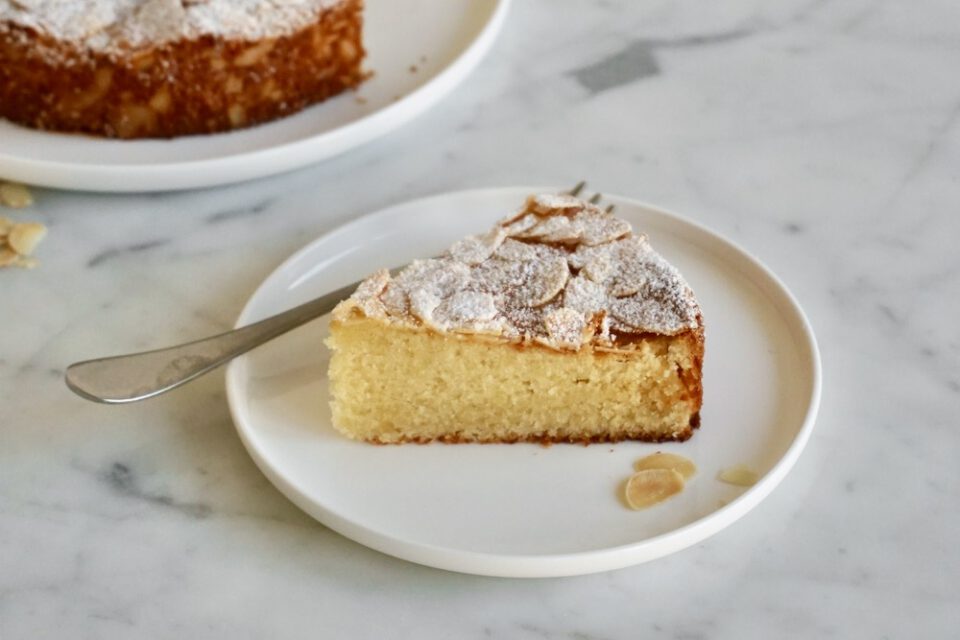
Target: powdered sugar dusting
561, 272
565, 328
109, 26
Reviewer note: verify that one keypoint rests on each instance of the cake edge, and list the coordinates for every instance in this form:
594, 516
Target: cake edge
693, 382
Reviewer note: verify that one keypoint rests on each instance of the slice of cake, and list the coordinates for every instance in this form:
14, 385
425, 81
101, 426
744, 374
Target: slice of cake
165, 68
559, 325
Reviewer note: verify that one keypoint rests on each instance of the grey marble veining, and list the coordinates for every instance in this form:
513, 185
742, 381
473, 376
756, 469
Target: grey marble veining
823, 135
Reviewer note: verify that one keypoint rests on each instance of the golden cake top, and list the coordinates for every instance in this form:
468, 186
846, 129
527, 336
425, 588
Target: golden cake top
561, 272
110, 25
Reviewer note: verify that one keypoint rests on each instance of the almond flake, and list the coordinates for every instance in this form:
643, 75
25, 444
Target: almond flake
599, 268
565, 327
650, 486
521, 224
660, 460
740, 475
550, 204
600, 227
441, 278
14, 195
465, 308
372, 286
24, 237
544, 281
8, 257
557, 229
422, 304
475, 249
584, 295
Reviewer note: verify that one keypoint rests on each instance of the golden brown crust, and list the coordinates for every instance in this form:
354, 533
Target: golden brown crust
639, 435
202, 85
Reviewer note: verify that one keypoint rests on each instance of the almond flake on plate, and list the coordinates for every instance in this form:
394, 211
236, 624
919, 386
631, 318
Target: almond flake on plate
651, 486
660, 460
740, 475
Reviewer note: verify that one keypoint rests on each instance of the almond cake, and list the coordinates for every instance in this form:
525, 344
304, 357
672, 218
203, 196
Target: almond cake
165, 68
558, 325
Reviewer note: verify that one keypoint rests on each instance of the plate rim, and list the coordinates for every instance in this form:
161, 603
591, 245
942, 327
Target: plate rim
548, 564
118, 177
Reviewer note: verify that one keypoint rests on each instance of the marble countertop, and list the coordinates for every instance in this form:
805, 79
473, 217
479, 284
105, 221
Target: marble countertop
822, 135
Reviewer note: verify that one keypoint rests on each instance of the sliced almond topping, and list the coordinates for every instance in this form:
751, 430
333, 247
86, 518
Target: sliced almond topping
475, 249
740, 475
547, 204
6, 224
8, 257
520, 224
565, 327
516, 251
372, 286
558, 229
367, 295
624, 288
584, 295
545, 280
25, 237
14, 195
650, 486
600, 227
633, 311
599, 268
660, 460
440, 278
465, 307
422, 305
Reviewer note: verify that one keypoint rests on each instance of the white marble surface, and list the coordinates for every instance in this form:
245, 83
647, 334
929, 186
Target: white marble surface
823, 135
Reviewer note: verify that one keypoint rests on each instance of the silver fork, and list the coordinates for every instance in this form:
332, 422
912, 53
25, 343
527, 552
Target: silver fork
138, 376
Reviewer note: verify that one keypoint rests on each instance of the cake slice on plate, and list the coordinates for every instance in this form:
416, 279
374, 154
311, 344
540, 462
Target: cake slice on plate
558, 325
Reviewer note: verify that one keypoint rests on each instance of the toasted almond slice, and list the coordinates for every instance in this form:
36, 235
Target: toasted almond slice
475, 249
599, 227
7, 257
25, 237
599, 268
14, 195
373, 286
463, 308
584, 295
650, 486
422, 304
661, 460
565, 327
6, 224
740, 475
549, 204
520, 223
543, 280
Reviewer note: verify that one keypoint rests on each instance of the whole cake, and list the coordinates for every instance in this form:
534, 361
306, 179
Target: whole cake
559, 325
164, 68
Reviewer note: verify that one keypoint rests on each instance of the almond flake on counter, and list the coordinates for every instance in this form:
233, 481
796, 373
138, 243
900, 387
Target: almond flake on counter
15, 195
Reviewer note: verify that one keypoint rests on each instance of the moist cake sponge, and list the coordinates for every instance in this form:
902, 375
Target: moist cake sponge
559, 325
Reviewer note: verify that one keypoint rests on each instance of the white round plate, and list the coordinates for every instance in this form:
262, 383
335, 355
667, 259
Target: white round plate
443, 39
526, 510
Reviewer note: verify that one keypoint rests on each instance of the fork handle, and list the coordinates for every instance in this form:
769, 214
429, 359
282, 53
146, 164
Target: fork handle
138, 376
